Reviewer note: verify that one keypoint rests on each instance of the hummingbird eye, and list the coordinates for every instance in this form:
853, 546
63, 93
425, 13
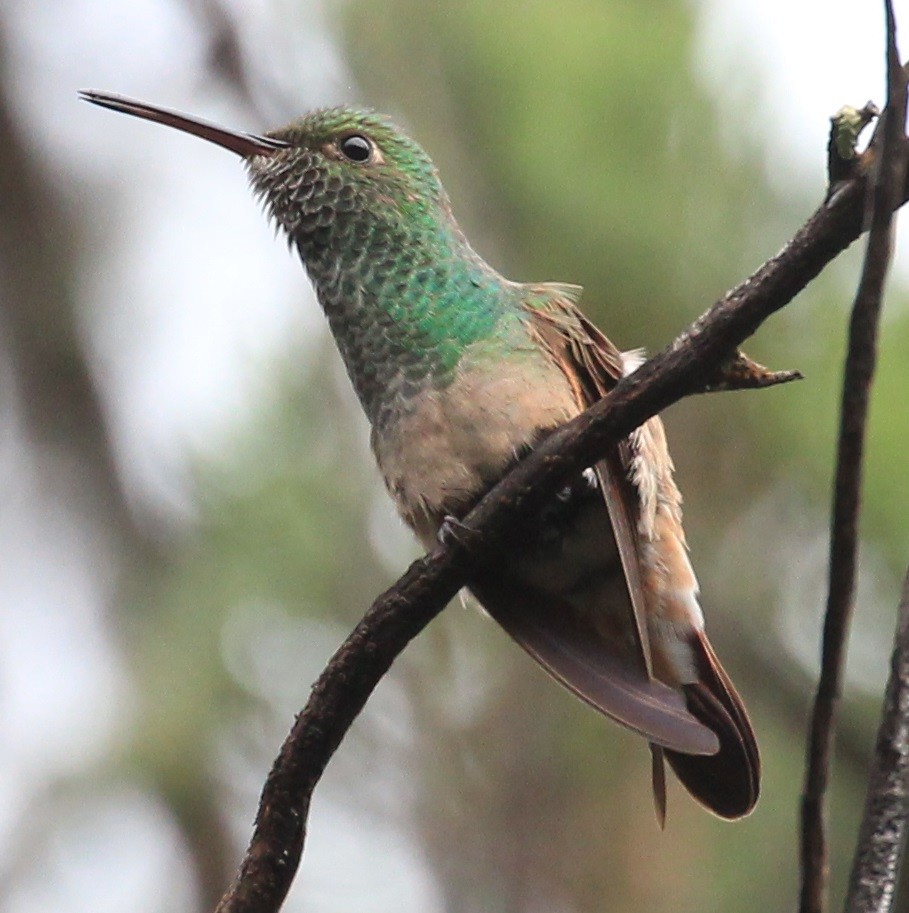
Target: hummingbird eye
356, 148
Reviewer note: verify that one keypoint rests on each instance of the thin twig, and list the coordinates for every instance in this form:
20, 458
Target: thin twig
857, 380
882, 835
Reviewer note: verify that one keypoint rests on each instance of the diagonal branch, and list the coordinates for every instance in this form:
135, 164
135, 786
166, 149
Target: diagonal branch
858, 375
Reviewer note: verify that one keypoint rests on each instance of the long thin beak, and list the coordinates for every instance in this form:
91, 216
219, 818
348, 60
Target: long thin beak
244, 144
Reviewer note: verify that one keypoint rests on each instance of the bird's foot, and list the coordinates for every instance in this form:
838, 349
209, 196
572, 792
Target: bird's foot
452, 530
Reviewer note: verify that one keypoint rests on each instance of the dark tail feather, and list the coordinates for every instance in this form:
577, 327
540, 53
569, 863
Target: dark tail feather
571, 650
728, 782
658, 779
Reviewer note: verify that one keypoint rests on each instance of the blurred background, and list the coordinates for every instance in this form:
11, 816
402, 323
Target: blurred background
190, 519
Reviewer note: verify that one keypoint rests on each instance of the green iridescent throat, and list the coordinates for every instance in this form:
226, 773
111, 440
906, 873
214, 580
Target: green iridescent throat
406, 309
405, 294
405, 302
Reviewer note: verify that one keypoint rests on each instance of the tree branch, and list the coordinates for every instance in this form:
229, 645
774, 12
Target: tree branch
885, 190
882, 835
689, 365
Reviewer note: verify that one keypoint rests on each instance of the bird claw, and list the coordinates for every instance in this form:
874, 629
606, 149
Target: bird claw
453, 531
564, 494
589, 476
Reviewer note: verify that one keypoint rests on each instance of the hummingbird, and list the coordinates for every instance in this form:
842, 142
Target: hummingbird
461, 372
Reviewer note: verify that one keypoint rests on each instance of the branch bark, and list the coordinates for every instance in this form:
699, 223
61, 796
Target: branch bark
888, 180
690, 364
882, 835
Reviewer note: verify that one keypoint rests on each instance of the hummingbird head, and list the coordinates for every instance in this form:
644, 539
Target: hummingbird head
344, 177
404, 292
332, 180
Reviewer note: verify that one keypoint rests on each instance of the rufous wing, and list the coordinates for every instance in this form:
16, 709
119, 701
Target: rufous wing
726, 779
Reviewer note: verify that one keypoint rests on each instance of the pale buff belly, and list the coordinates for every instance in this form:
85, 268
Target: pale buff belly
447, 446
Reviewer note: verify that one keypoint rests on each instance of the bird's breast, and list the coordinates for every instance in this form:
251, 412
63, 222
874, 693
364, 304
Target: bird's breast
442, 448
